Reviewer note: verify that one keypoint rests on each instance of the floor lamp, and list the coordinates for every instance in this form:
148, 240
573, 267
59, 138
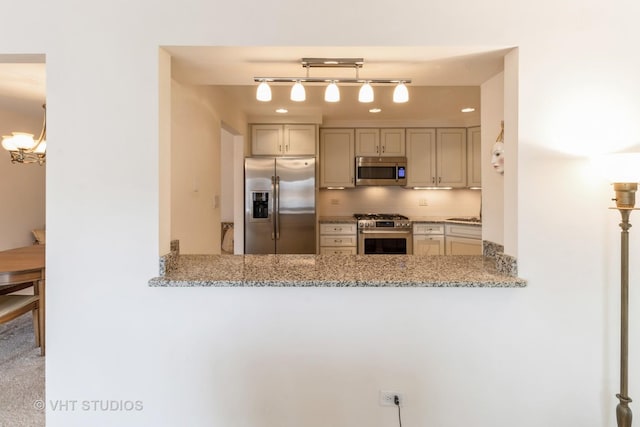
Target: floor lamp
624, 170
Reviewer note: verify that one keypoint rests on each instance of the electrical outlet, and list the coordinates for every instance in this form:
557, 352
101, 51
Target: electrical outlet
387, 398
335, 202
422, 202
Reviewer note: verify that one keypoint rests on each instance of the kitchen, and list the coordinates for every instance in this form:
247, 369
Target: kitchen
192, 220
441, 110
374, 177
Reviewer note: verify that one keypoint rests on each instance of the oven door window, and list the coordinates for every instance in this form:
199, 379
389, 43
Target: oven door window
387, 246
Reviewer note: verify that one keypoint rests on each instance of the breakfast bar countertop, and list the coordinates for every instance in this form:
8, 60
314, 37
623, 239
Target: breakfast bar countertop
334, 271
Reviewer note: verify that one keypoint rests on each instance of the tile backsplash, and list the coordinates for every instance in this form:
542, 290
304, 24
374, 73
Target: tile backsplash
413, 203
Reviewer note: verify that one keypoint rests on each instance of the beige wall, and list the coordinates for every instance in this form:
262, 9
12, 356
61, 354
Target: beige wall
22, 187
197, 114
492, 111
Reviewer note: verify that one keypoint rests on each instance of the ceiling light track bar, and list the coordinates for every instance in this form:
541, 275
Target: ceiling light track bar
332, 62
328, 80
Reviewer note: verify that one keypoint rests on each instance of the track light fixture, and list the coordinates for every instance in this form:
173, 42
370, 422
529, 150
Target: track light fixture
332, 92
264, 92
298, 93
400, 93
366, 93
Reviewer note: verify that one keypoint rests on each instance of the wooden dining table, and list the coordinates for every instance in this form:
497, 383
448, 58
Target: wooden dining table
22, 268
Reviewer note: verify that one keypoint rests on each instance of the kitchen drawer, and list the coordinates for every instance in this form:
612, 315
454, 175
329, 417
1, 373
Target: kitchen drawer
338, 240
349, 250
428, 228
461, 230
334, 229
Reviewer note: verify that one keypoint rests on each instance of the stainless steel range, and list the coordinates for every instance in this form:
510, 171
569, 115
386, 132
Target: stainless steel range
385, 234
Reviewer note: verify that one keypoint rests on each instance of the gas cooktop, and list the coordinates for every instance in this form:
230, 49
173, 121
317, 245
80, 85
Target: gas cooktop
380, 216
380, 220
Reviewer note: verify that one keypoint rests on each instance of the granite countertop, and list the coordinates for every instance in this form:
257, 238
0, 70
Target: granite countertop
336, 219
449, 219
426, 219
334, 271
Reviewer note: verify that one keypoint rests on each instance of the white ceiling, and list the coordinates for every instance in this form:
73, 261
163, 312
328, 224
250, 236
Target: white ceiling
443, 79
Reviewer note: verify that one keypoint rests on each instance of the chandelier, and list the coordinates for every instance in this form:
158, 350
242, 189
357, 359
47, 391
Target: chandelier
332, 92
24, 148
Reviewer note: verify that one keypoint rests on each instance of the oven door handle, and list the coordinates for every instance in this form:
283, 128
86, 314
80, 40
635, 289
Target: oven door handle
394, 231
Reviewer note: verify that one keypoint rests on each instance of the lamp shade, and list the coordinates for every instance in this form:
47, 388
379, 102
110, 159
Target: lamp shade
619, 167
264, 92
22, 140
332, 93
297, 92
400, 93
8, 144
366, 93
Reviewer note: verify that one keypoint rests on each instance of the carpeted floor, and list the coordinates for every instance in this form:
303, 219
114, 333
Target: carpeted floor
21, 375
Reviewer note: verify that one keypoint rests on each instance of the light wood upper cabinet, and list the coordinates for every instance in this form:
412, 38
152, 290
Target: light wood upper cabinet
392, 142
337, 159
421, 157
283, 140
437, 157
380, 142
451, 157
474, 157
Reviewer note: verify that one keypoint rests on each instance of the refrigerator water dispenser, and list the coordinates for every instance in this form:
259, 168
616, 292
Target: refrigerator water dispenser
260, 205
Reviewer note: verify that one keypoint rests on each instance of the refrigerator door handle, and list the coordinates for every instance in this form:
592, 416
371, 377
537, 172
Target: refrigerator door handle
276, 207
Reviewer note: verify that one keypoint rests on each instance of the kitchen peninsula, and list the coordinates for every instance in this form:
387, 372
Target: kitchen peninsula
330, 271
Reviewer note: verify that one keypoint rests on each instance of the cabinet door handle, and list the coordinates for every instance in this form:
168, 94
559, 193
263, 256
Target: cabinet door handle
439, 179
337, 229
383, 147
338, 240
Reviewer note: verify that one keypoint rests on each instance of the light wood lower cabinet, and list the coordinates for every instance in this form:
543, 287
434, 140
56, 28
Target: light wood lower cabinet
461, 239
338, 238
428, 239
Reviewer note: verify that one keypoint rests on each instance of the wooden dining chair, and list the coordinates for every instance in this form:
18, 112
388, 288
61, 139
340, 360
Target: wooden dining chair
12, 306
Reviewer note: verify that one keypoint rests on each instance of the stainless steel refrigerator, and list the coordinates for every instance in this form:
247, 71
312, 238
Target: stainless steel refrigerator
280, 205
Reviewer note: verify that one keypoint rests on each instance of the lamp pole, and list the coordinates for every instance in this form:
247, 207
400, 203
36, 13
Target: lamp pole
625, 201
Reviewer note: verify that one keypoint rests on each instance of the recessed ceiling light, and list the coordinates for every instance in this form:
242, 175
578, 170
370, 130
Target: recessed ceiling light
468, 110
282, 110
375, 110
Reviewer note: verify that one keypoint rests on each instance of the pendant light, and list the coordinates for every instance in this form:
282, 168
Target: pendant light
332, 93
264, 92
297, 92
24, 148
366, 92
400, 93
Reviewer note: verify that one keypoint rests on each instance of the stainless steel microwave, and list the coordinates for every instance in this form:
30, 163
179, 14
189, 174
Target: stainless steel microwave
381, 171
